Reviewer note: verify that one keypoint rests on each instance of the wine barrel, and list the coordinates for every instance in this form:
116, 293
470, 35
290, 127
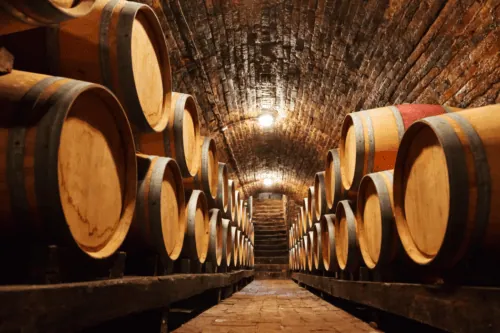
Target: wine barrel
320, 203
308, 252
227, 246
334, 190
234, 247
197, 233
18, 15
370, 139
312, 249
250, 208
181, 140
223, 189
346, 244
63, 140
243, 216
237, 213
119, 44
231, 204
215, 243
252, 256
239, 236
445, 187
317, 249
252, 233
310, 207
206, 179
377, 234
159, 223
300, 247
328, 252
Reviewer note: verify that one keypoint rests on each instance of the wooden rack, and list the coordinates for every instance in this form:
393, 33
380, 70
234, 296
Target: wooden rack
455, 309
71, 307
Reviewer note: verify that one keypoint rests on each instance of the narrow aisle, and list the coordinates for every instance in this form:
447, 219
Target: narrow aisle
274, 306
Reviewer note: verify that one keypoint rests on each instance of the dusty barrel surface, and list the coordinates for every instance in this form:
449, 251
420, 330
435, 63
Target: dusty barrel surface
302, 218
222, 199
446, 187
216, 238
346, 244
206, 179
159, 222
376, 227
64, 139
369, 140
320, 203
197, 232
328, 250
333, 180
18, 15
181, 139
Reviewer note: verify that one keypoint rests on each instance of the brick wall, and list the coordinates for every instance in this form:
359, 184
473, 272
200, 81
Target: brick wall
314, 61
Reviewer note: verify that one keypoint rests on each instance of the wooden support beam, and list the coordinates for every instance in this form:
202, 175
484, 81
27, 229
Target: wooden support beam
455, 309
74, 306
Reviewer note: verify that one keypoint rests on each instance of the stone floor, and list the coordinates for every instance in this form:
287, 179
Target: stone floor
274, 306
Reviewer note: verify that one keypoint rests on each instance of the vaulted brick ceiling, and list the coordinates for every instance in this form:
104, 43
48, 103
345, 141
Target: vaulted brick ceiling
314, 61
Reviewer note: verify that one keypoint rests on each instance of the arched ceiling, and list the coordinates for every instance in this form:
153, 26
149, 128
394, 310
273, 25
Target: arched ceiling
314, 61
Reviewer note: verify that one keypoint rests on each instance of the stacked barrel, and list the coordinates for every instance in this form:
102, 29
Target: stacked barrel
98, 153
411, 187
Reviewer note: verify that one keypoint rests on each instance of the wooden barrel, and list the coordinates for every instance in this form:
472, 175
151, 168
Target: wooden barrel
243, 216
310, 207
445, 187
346, 244
68, 168
231, 204
312, 249
18, 15
252, 233
234, 247
215, 244
328, 252
227, 246
333, 181
291, 236
239, 252
300, 247
159, 223
119, 44
377, 234
303, 217
237, 214
181, 140
252, 256
370, 139
317, 249
207, 177
320, 203
223, 189
308, 252
197, 233
250, 208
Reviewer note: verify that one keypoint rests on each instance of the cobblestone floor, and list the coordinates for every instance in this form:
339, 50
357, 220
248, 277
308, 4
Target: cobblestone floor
274, 306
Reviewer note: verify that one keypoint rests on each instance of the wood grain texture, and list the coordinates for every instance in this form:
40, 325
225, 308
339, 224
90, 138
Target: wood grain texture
460, 309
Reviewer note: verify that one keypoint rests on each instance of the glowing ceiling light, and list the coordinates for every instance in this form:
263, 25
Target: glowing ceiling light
268, 182
266, 120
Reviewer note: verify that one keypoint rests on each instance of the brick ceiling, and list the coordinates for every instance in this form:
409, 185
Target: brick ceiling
313, 61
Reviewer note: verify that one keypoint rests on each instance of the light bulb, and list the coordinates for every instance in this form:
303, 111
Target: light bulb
268, 182
266, 120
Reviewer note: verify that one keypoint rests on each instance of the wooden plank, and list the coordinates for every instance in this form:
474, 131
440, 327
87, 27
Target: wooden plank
74, 306
455, 309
